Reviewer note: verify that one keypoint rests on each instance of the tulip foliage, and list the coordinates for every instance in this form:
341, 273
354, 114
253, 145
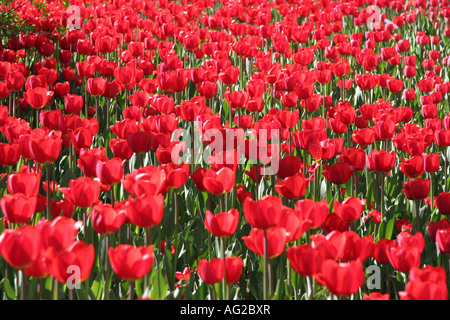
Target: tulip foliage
223, 149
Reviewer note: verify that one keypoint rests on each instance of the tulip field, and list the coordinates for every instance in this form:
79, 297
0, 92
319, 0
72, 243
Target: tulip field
224, 150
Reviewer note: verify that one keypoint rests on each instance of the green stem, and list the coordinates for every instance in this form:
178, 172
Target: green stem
48, 192
266, 268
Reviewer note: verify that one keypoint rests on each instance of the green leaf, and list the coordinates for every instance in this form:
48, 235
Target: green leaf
8, 289
159, 285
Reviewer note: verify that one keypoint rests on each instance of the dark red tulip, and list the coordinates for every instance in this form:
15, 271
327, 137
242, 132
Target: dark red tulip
433, 227
381, 161
338, 173
416, 189
443, 203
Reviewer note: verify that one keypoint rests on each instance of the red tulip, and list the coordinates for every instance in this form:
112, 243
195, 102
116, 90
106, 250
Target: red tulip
223, 224
38, 97
25, 181
380, 249
412, 167
46, 148
342, 278
338, 173
20, 247
381, 161
9, 153
96, 86
350, 209
355, 157
83, 192
131, 263
443, 203
110, 172
276, 241
403, 258
146, 211
264, 213
443, 240
120, 148
219, 182
89, 158
433, 227
233, 269
18, 208
106, 219
416, 189
212, 271
429, 283
77, 259
307, 260
292, 187
60, 233
317, 212
146, 180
